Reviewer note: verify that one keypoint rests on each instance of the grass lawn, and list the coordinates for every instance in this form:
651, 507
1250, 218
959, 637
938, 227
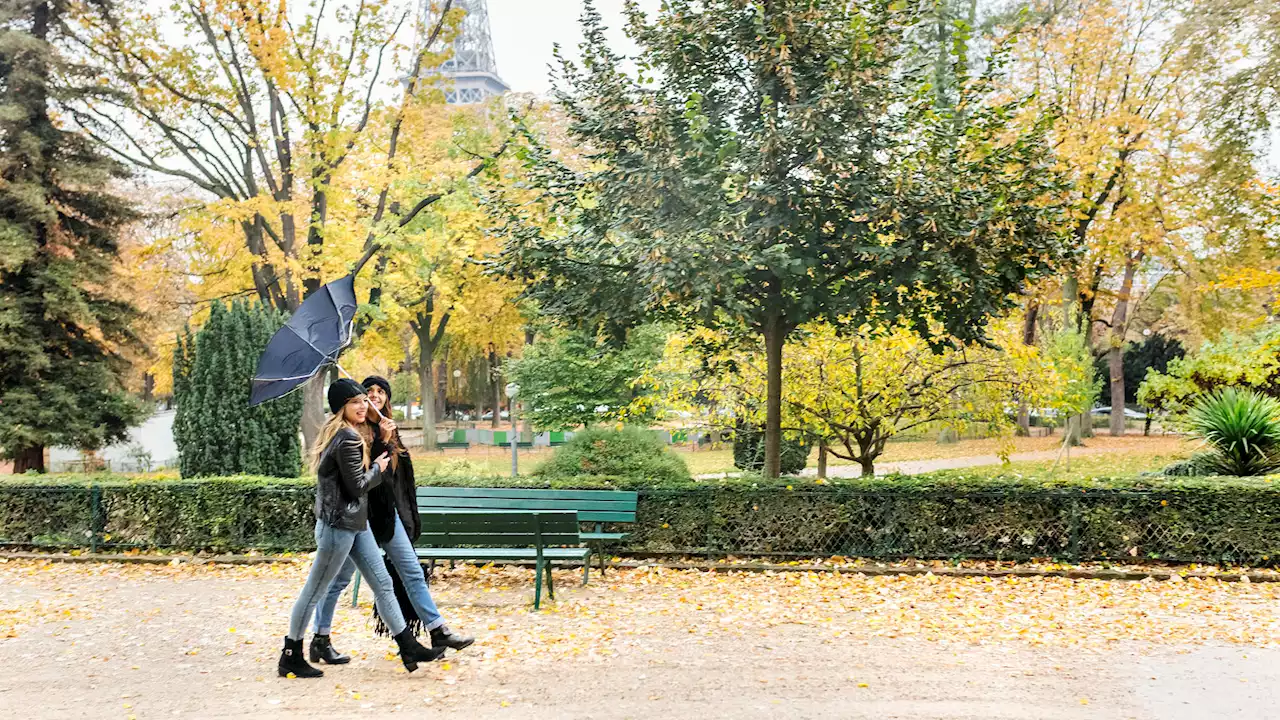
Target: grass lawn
1101, 454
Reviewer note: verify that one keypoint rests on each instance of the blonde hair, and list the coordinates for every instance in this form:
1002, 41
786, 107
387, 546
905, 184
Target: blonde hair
329, 431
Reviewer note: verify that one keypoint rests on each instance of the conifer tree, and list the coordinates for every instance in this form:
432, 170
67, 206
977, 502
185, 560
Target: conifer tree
61, 329
216, 431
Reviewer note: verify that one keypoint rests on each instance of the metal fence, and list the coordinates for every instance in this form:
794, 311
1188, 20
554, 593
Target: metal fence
1070, 525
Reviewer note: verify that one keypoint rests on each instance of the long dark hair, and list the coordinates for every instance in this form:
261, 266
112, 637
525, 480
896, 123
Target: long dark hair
393, 444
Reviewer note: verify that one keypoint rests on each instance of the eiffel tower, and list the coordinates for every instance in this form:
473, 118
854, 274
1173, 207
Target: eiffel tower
472, 72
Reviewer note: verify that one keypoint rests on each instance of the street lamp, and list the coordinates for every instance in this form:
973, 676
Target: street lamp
512, 390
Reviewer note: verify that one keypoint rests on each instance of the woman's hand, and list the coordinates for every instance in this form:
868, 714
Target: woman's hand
383, 461
388, 427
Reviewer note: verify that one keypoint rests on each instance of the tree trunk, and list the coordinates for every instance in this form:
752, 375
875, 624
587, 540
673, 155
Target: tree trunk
312, 410
868, 464
497, 386
1071, 321
774, 336
1115, 351
1028, 338
28, 460
426, 385
1115, 363
822, 461
442, 386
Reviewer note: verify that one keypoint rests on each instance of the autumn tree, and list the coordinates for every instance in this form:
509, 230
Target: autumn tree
260, 107
851, 391
1134, 95
61, 326
766, 166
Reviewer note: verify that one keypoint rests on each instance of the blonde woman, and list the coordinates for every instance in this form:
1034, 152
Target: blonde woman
344, 476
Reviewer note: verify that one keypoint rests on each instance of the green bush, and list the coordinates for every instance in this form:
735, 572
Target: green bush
942, 515
1242, 428
216, 431
748, 451
631, 452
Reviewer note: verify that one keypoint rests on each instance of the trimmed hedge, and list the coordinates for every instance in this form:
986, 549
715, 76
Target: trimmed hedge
946, 515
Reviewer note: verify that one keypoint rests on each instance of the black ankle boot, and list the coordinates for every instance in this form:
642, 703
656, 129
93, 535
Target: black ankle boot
291, 661
411, 653
322, 651
443, 637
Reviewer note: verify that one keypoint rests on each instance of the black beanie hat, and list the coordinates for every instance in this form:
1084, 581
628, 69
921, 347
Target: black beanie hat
342, 391
380, 382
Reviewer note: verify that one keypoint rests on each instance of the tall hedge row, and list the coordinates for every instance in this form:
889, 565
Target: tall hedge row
931, 517
216, 431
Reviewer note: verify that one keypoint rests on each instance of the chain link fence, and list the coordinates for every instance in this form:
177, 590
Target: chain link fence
1212, 526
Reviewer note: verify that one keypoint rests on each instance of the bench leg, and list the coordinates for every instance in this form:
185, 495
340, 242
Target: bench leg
586, 568
355, 592
551, 586
601, 561
537, 585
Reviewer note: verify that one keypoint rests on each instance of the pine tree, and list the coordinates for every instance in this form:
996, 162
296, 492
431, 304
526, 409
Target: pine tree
216, 431
60, 328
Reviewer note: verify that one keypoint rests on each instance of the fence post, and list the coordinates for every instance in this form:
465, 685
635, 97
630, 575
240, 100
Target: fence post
1075, 528
96, 519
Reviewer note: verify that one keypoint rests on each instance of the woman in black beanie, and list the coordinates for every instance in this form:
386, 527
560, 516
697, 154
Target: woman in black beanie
393, 517
344, 477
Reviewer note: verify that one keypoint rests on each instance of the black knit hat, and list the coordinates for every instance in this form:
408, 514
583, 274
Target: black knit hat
381, 382
342, 391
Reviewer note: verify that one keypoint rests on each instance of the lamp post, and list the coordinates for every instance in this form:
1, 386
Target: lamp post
512, 390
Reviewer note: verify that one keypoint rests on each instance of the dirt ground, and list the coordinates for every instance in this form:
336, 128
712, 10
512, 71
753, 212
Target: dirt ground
120, 641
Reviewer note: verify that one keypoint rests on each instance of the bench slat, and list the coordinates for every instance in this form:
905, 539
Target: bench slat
629, 495
527, 503
467, 553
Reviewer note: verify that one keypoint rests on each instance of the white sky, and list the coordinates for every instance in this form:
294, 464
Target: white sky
524, 32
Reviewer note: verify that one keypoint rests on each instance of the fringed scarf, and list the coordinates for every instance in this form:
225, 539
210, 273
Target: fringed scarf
413, 622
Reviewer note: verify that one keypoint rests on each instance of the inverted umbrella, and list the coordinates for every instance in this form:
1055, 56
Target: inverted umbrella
312, 339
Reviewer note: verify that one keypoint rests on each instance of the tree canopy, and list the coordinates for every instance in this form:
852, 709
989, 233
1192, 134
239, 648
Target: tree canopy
759, 170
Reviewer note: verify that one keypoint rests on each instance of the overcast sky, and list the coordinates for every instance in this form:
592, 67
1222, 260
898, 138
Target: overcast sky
524, 32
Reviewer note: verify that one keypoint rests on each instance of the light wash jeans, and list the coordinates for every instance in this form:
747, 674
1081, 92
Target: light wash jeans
335, 549
400, 550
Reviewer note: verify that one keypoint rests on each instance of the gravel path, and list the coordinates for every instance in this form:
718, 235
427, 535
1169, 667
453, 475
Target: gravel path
116, 641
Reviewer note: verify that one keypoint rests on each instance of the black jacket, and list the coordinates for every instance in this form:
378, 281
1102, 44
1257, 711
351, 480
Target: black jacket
343, 484
396, 496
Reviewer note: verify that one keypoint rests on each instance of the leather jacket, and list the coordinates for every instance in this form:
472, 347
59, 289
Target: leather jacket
397, 496
343, 483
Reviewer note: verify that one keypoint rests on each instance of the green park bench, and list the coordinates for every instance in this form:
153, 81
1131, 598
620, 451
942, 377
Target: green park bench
502, 439
501, 535
593, 506
457, 440
555, 438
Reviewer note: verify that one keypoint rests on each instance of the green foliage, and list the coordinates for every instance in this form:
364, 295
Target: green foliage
1241, 360
565, 377
1242, 428
761, 170
1077, 390
941, 515
748, 451
61, 325
216, 431
632, 452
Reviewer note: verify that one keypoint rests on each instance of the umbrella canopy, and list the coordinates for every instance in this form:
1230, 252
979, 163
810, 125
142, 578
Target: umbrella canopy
313, 338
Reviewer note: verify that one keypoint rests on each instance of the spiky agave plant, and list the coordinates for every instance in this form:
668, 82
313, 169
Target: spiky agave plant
1242, 429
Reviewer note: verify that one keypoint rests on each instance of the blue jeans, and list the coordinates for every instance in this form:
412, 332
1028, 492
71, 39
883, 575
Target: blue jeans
400, 551
335, 549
